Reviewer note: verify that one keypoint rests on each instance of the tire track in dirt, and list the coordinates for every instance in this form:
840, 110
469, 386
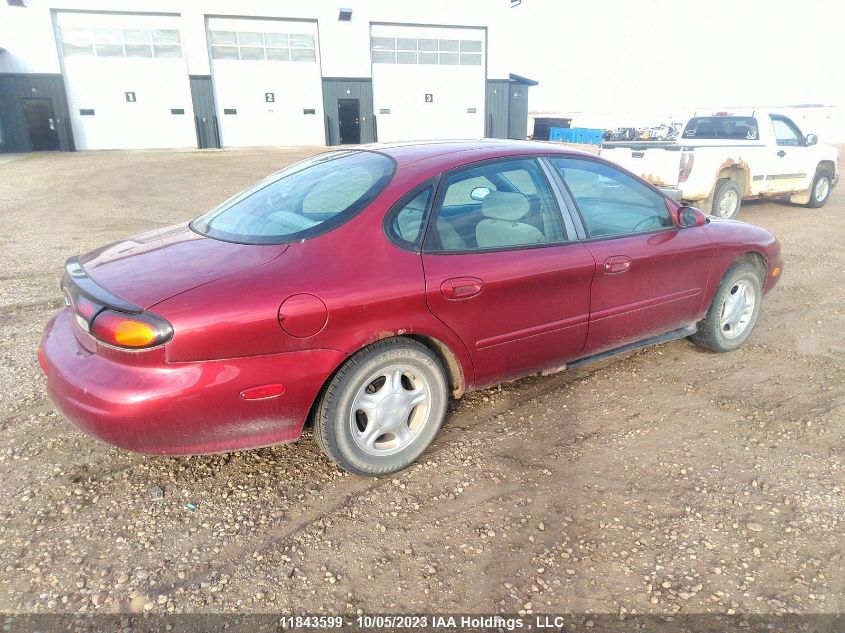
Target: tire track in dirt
351, 489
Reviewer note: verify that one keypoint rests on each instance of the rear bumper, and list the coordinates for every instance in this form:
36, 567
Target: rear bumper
181, 408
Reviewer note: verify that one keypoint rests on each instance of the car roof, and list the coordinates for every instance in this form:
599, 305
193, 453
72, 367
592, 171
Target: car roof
447, 154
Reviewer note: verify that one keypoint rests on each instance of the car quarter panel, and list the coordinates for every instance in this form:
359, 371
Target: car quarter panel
181, 408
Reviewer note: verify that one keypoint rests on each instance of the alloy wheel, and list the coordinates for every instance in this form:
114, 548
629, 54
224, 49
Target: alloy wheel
737, 309
390, 410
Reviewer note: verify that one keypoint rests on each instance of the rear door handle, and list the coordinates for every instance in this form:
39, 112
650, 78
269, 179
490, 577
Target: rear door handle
458, 288
617, 264
781, 153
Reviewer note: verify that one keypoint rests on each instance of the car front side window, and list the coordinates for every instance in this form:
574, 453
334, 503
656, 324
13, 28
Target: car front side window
786, 132
610, 201
497, 205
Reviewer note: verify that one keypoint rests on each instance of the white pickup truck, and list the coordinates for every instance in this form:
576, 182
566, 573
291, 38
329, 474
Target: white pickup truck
722, 158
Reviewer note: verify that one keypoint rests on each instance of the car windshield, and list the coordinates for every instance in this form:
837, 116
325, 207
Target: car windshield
722, 127
304, 200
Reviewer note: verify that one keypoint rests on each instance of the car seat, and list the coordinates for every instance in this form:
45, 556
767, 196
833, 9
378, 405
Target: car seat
501, 225
410, 222
705, 128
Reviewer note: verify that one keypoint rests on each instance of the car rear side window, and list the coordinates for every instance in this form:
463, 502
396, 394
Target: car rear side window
496, 205
405, 223
610, 201
304, 200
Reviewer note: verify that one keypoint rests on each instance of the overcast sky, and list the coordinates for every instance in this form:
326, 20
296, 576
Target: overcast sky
650, 55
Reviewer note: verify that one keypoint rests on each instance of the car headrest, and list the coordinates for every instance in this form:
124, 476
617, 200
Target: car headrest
505, 205
705, 127
742, 131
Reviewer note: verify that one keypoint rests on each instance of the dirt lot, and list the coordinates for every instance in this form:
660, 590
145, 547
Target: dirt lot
667, 481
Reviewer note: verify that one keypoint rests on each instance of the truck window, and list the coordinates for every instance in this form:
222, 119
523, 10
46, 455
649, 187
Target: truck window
786, 132
739, 128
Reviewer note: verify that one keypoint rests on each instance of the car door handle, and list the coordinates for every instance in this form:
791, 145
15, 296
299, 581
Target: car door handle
617, 264
461, 288
781, 153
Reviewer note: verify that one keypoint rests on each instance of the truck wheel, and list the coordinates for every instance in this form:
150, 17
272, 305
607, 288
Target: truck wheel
820, 191
383, 408
734, 310
727, 199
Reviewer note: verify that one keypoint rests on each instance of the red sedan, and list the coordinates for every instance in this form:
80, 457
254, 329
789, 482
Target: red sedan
360, 288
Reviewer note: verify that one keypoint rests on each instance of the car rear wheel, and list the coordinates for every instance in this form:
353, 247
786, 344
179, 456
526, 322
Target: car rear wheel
727, 198
820, 191
733, 313
383, 408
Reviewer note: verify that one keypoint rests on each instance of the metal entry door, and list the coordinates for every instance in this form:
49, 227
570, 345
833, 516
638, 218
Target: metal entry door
41, 123
349, 120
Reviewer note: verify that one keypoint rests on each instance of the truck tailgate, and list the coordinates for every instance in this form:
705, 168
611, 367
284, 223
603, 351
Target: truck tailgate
657, 165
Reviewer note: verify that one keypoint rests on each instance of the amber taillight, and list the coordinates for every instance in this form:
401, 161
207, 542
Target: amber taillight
131, 331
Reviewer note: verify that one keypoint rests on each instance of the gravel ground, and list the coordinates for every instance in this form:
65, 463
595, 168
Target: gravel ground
667, 481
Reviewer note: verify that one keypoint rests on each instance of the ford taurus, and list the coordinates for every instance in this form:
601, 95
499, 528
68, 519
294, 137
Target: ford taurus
361, 288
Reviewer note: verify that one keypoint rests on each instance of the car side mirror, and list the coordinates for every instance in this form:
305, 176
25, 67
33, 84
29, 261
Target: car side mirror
690, 216
811, 139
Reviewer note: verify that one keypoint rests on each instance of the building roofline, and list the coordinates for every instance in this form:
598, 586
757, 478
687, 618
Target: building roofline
519, 79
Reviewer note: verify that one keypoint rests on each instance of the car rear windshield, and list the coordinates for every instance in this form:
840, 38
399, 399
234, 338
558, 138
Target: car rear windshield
304, 200
722, 127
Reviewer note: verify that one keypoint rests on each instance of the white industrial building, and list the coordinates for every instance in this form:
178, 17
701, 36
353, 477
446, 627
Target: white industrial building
104, 74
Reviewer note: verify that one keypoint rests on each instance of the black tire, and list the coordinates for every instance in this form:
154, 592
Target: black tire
817, 201
727, 199
335, 418
711, 334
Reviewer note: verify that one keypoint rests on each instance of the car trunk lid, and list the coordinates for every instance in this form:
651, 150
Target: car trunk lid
148, 268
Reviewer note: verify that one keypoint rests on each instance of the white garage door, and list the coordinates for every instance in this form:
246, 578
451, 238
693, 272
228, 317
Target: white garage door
267, 83
428, 83
126, 81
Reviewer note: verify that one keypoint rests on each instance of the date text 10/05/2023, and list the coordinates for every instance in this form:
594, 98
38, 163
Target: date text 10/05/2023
436, 622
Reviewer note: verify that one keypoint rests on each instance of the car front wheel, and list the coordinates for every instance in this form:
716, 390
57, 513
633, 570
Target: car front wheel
383, 408
734, 311
820, 191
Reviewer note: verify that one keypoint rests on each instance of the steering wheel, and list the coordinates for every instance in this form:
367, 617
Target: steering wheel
646, 223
